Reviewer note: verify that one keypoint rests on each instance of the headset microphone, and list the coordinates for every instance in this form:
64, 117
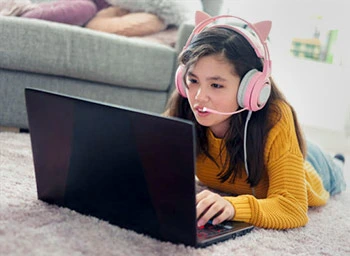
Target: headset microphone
223, 113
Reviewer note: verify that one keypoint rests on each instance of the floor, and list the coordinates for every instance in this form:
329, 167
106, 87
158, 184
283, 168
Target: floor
332, 141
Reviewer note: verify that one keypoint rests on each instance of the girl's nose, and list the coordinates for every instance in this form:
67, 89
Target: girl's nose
201, 94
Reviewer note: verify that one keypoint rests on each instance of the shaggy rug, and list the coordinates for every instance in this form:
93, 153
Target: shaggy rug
31, 227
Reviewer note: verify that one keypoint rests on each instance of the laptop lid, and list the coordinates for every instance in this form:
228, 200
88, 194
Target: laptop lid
131, 168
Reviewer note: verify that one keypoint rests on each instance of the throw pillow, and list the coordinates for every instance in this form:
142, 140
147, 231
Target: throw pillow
73, 12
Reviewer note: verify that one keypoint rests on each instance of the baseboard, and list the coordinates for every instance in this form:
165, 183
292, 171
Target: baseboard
9, 129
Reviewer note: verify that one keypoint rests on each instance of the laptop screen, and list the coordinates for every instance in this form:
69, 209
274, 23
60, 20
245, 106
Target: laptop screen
130, 168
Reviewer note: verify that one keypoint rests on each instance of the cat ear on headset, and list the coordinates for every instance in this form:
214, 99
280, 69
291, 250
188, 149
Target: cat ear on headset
263, 27
200, 16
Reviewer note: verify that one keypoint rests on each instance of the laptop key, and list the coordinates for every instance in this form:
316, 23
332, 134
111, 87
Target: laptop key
210, 230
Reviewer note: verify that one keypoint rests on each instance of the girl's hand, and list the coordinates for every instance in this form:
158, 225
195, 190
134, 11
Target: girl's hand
210, 205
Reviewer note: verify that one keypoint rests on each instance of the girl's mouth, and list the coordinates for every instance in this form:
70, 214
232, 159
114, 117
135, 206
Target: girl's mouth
201, 111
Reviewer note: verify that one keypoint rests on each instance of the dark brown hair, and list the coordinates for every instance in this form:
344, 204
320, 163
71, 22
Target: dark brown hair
237, 50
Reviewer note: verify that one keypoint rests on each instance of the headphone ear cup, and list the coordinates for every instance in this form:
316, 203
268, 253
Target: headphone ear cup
180, 87
254, 90
243, 95
260, 93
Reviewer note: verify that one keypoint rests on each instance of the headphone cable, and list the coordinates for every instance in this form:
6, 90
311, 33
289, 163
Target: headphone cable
245, 146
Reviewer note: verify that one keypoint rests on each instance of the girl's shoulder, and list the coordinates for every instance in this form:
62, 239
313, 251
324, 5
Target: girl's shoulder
282, 136
280, 111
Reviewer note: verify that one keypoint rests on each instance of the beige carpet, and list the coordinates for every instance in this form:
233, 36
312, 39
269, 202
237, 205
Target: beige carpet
31, 227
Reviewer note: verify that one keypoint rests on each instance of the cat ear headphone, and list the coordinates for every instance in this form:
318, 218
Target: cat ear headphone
255, 86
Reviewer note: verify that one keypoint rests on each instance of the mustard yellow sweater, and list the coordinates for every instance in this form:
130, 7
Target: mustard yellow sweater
283, 195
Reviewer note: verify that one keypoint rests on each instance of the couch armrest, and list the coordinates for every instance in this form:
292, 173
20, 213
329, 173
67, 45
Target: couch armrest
212, 7
209, 6
184, 32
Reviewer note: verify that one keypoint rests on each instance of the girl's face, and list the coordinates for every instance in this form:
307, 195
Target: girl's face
212, 84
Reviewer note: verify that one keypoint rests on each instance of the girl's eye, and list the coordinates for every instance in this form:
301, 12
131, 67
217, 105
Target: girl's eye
216, 85
191, 81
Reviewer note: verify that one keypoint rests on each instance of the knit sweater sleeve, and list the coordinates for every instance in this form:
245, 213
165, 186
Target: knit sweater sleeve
286, 203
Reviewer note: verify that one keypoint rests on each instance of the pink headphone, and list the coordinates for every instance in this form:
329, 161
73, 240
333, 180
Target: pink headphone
255, 87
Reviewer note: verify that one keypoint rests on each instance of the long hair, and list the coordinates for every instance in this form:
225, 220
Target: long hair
238, 51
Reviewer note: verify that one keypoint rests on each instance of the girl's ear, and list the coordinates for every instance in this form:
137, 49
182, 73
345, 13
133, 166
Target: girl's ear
200, 16
263, 27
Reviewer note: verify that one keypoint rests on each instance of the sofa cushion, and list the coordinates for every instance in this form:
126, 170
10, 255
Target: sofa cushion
59, 49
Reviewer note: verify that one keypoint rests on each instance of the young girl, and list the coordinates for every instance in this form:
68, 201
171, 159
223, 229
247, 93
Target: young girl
249, 142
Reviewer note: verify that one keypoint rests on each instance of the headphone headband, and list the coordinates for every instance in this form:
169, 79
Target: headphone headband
266, 56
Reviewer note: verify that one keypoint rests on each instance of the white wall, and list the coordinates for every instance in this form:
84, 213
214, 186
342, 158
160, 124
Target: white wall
320, 92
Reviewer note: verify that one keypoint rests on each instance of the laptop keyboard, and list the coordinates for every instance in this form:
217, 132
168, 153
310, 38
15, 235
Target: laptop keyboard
209, 230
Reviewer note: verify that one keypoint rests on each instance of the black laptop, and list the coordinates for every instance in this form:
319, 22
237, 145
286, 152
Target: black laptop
131, 168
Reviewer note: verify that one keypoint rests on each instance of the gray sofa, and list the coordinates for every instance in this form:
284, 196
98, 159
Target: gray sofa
81, 62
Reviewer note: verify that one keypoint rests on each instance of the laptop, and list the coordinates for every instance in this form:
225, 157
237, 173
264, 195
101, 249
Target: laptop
128, 167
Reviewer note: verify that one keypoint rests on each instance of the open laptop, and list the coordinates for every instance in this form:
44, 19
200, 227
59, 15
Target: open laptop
131, 168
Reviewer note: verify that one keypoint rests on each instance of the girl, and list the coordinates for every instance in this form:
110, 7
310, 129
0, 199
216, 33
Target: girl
272, 174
